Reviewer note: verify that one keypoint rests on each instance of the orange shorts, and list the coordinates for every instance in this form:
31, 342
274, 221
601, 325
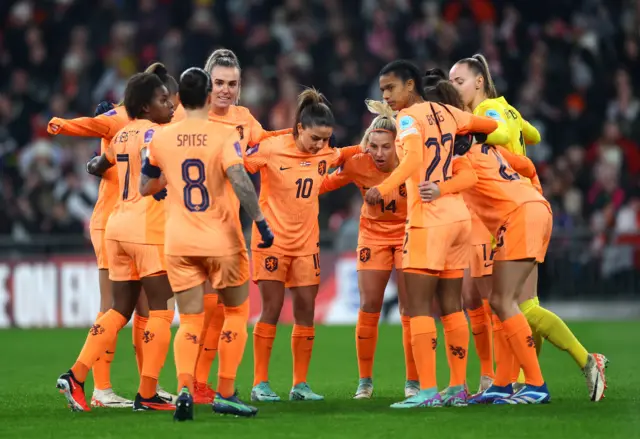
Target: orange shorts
293, 271
525, 234
131, 261
379, 257
481, 260
97, 240
222, 271
437, 248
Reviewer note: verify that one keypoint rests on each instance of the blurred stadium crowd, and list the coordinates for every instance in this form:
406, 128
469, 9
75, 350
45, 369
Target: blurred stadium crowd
570, 67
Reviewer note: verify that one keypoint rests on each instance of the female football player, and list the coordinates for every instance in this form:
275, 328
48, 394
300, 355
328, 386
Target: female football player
380, 238
292, 169
472, 79
435, 249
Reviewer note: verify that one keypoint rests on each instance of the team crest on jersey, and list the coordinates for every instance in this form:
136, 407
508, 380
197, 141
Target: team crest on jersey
148, 135
403, 190
111, 112
322, 167
238, 148
365, 254
271, 264
251, 150
240, 130
305, 164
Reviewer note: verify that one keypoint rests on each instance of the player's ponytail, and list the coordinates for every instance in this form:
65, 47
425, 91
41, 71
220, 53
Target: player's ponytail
159, 69
478, 63
312, 111
384, 121
442, 91
195, 86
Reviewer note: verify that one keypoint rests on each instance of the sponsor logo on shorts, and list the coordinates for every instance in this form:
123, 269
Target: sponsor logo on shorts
240, 130
403, 190
147, 336
96, 329
322, 167
228, 336
458, 351
193, 338
271, 264
365, 254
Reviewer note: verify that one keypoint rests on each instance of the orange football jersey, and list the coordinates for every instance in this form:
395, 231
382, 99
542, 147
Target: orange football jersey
290, 186
384, 223
135, 218
201, 207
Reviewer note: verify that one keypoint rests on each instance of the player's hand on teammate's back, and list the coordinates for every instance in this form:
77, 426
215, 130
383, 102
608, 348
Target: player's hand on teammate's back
462, 144
103, 107
373, 196
429, 191
91, 165
160, 195
265, 233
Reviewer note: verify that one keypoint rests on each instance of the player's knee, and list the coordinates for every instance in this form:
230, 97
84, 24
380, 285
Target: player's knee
270, 312
303, 313
498, 303
371, 304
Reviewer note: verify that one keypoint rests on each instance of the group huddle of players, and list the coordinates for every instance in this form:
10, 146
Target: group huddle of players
451, 201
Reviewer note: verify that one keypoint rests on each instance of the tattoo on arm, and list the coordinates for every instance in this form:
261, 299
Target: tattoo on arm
246, 193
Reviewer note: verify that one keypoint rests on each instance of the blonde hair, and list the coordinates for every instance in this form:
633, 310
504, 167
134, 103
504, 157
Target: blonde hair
478, 63
384, 121
223, 58
312, 110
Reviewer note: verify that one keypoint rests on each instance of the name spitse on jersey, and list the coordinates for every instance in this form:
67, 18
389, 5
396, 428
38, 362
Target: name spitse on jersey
201, 207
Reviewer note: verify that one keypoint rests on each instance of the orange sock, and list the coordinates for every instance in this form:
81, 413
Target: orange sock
483, 339
210, 343
264, 335
411, 372
101, 336
137, 333
156, 340
302, 339
456, 337
102, 368
520, 339
503, 353
424, 340
233, 340
185, 348
366, 341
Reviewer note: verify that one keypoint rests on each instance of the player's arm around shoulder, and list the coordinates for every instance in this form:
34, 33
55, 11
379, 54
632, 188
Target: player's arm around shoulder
257, 156
342, 176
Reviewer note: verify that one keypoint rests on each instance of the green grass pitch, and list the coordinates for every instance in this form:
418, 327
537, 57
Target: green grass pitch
30, 406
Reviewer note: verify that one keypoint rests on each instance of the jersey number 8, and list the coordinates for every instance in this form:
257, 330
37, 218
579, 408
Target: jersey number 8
192, 184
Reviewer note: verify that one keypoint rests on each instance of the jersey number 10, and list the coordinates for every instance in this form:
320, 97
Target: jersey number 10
192, 184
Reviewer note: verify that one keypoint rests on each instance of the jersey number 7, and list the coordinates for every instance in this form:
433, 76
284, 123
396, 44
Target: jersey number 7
125, 159
192, 184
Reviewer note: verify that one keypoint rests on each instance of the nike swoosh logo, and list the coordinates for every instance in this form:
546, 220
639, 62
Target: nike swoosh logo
284, 169
364, 338
486, 265
208, 350
476, 333
109, 352
317, 274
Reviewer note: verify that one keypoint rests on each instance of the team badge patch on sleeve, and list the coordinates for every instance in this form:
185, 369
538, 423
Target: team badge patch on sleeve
148, 135
493, 114
238, 149
406, 122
